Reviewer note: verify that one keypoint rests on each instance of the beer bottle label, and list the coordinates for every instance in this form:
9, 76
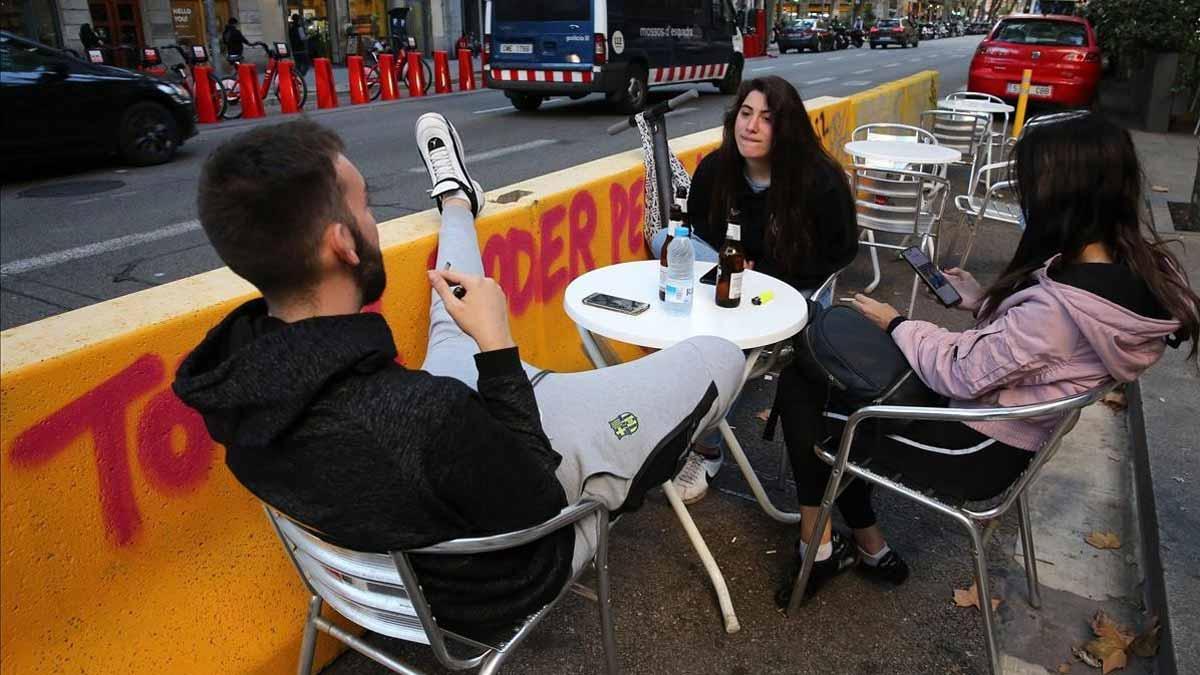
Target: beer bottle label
734, 231
735, 285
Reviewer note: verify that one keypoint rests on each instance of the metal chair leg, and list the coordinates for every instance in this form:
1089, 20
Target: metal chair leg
874, 263
1031, 576
607, 633
810, 547
984, 588
308, 644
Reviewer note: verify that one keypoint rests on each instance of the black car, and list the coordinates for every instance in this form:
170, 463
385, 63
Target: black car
55, 104
901, 32
814, 34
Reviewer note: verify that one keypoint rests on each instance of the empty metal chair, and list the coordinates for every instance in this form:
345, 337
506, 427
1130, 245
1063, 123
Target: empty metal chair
382, 593
973, 520
969, 133
895, 202
999, 131
991, 198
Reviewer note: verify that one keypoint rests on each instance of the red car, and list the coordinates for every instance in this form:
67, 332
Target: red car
1061, 50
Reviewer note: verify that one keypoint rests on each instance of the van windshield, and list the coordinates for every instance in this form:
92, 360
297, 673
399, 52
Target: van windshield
542, 10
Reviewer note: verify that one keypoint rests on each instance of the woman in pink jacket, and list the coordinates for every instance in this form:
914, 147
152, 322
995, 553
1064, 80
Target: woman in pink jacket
1089, 296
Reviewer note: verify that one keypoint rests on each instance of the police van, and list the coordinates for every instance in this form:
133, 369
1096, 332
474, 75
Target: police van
535, 49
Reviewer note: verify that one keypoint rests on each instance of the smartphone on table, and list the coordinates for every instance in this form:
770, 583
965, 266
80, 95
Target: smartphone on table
616, 304
932, 276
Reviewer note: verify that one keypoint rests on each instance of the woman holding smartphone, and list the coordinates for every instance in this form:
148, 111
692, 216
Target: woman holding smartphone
1090, 296
795, 209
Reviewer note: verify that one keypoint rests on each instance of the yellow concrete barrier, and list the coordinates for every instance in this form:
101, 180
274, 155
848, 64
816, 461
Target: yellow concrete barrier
126, 546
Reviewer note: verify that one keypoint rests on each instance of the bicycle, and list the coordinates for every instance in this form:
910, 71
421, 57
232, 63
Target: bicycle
184, 74
399, 66
233, 91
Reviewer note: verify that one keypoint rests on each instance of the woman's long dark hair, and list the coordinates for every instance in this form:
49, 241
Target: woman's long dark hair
801, 170
1079, 182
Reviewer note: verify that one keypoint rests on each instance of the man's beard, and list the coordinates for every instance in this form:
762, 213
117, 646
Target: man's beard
369, 273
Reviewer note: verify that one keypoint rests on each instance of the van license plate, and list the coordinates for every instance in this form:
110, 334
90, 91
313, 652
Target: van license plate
511, 48
1042, 90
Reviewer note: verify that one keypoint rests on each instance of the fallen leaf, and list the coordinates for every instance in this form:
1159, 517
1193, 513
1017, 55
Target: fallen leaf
1112, 641
763, 415
1103, 540
1104, 627
969, 597
1064, 667
1160, 188
1115, 400
1146, 644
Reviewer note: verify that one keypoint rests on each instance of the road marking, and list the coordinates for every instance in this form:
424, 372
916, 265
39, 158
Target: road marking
818, 81
864, 71
891, 65
759, 70
89, 250
492, 110
498, 152
835, 58
856, 83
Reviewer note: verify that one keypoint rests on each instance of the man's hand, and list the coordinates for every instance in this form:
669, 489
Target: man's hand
967, 287
482, 313
880, 313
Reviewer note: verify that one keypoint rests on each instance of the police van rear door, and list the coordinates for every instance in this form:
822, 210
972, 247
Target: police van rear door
537, 34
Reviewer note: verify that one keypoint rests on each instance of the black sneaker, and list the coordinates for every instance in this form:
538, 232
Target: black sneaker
892, 569
843, 558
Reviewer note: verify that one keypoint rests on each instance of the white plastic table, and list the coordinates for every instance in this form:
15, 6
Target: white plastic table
975, 105
902, 152
749, 326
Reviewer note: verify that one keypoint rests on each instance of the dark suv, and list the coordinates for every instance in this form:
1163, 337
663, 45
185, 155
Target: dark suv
894, 32
56, 104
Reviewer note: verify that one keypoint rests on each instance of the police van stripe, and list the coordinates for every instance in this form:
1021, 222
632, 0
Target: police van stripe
688, 73
533, 75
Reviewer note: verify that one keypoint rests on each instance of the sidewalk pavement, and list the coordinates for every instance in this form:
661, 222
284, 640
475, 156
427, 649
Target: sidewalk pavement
1169, 161
666, 615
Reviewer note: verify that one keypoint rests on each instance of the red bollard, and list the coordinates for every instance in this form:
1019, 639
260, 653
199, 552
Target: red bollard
206, 113
388, 90
416, 75
358, 81
287, 89
441, 72
248, 95
326, 91
466, 70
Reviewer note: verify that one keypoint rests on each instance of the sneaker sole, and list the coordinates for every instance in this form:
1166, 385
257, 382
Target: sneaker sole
693, 500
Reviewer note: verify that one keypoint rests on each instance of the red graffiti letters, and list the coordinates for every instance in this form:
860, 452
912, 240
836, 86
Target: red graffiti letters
627, 208
103, 413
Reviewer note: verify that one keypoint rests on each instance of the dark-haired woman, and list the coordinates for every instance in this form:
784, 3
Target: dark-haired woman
797, 215
1090, 296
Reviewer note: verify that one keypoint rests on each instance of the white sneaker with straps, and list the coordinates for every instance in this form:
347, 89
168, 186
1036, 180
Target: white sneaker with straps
442, 152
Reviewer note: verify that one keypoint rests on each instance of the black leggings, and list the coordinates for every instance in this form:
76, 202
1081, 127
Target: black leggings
952, 459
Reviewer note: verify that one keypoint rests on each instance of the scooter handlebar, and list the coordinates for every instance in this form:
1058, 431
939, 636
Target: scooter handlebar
657, 110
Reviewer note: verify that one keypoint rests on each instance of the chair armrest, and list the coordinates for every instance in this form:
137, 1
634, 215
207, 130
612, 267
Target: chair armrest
498, 542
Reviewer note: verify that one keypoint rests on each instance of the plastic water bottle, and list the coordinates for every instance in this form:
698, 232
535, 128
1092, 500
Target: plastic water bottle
681, 264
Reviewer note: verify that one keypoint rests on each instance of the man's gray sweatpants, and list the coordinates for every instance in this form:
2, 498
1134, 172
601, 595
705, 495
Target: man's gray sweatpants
604, 422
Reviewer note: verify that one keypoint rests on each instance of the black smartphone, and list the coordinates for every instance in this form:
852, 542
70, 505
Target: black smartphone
932, 276
710, 277
612, 302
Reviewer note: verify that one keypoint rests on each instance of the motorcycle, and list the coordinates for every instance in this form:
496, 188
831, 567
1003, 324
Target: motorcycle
856, 38
841, 38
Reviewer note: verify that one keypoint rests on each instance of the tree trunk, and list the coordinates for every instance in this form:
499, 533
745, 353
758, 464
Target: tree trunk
1194, 212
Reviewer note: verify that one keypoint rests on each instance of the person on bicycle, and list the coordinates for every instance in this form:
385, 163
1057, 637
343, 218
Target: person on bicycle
233, 40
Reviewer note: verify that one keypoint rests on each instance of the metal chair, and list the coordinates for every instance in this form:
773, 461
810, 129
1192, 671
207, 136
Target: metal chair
898, 202
973, 520
969, 133
989, 199
381, 593
997, 135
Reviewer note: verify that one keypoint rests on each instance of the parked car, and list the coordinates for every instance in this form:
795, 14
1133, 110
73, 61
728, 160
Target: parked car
814, 34
58, 105
900, 31
1061, 51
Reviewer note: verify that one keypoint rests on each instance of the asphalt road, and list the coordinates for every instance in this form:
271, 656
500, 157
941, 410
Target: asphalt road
75, 236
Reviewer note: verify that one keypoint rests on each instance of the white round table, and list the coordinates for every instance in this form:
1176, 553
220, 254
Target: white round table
747, 325
976, 105
903, 152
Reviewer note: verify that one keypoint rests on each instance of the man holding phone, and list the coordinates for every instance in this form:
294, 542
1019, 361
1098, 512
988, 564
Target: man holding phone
319, 421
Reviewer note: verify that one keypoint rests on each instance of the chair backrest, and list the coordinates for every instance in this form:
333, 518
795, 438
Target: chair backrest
962, 131
887, 131
894, 200
974, 95
364, 587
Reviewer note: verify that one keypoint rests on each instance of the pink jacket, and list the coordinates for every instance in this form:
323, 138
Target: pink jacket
1047, 341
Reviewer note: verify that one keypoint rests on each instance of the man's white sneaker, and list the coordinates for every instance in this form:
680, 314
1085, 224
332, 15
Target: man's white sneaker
442, 152
693, 479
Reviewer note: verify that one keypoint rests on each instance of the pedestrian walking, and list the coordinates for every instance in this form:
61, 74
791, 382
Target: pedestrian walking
298, 37
233, 40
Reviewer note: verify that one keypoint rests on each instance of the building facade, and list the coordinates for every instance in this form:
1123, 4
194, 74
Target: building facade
336, 28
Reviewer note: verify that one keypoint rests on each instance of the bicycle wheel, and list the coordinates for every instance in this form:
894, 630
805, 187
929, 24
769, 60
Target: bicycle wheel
301, 87
426, 70
372, 78
218, 95
233, 99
